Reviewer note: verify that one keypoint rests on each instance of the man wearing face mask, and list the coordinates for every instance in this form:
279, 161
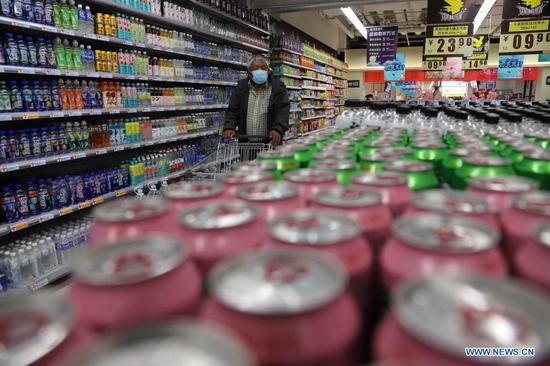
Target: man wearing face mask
259, 105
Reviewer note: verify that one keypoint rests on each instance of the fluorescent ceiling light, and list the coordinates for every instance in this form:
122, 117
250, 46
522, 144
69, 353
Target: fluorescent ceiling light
350, 14
482, 13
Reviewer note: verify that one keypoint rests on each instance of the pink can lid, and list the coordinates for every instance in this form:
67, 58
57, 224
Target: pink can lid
429, 145
380, 178
244, 177
310, 176
445, 234
538, 154
130, 261
219, 215
32, 326
395, 150
537, 202
178, 342
193, 190
332, 155
379, 156
454, 312
407, 166
452, 202
131, 209
333, 164
277, 281
486, 160
314, 228
381, 142
508, 184
351, 197
271, 191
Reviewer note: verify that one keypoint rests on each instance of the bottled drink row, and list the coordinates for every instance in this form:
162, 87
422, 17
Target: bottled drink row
25, 260
74, 136
37, 196
65, 55
241, 11
164, 161
193, 17
24, 96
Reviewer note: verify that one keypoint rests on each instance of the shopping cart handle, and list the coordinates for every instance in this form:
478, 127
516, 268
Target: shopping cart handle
252, 137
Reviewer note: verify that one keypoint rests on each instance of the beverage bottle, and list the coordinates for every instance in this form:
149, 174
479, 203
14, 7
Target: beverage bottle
62, 138
42, 53
63, 193
87, 95
118, 94
32, 52
54, 139
18, 9
13, 144
57, 102
38, 11
32, 198
21, 201
53, 190
38, 97
59, 50
73, 15
57, 16
77, 59
24, 144
51, 55
97, 95
67, 49
6, 8
81, 13
47, 99
48, 12
16, 97
90, 57
79, 98
11, 50
46, 142
64, 95
65, 15
44, 198
23, 51
29, 101
28, 10
36, 143
89, 20
5, 104
9, 205
70, 138
84, 136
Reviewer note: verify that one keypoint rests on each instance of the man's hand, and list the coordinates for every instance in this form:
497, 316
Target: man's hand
228, 134
275, 137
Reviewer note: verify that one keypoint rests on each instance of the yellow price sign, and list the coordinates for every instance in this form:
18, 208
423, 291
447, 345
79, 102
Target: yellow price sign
448, 46
19, 226
65, 211
433, 65
98, 200
474, 64
84, 205
121, 193
524, 43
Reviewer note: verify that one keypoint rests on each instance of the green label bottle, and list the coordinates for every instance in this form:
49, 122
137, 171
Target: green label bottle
57, 19
59, 51
77, 58
68, 54
65, 17
73, 15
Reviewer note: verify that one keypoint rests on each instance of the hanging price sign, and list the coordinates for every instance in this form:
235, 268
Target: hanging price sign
448, 46
525, 36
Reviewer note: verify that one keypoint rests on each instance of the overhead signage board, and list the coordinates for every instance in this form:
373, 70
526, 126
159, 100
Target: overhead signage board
381, 45
448, 40
521, 9
529, 36
451, 11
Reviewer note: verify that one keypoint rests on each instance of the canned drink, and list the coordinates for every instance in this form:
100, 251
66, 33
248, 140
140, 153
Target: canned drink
182, 343
536, 165
453, 203
130, 218
273, 198
375, 162
482, 166
260, 166
39, 329
364, 205
434, 320
286, 304
532, 258
310, 182
283, 157
219, 229
401, 152
518, 222
420, 175
135, 280
500, 191
433, 152
332, 155
330, 232
344, 169
235, 180
302, 153
453, 162
185, 194
426, 244
393, 187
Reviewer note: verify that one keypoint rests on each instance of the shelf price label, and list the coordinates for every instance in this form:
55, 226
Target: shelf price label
65, 211
448, 46
33, 115
84, 205
19, 226
38, 163
46, 217
121, 193
98, 200
474, 64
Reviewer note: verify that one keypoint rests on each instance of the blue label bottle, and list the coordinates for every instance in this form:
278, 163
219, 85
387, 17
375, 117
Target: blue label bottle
48, 12
5, 7
21, 202
56, 97
29, 101
38, 11
36, 143
28, 10
16, 98
23, 51
44, 199
11, 49
24, 144
33, 52
37, 94
42, 52
51, 55
18, 9
32, 198
9, 206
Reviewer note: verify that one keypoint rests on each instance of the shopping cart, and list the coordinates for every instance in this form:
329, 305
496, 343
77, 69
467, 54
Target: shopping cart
229, 153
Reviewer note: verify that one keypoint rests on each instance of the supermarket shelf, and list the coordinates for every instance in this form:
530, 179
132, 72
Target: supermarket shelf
301, 54
316, 117
316, 79
288, 63
175, 24
340, 87
296, 110
307, 96
26, 164
314, 88
316, 98
110, 40
305, 134
310, 107
287, 50
224, 15
5, 229
331, 99
289, 76
106, 75
339, 105
293, 87
52, 276
15, 116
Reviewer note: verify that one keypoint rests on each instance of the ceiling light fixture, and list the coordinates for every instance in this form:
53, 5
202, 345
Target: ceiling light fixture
350, 14
484, 9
